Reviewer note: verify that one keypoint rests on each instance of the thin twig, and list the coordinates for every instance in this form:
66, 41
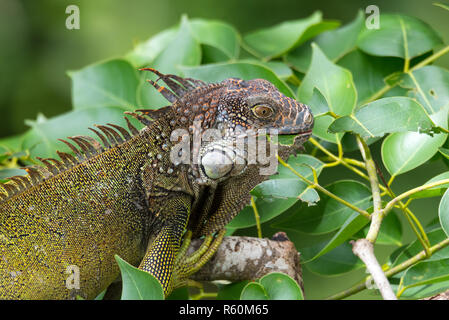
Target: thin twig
364, 248
377, 215
323, 190
430, 59
408, 193
257, 217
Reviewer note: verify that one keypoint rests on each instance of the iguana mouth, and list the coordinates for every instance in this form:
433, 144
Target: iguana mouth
294, 131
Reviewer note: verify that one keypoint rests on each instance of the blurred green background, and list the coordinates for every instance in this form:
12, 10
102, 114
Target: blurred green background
37, 50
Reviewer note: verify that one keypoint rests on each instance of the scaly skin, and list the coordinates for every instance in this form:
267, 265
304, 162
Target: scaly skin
129, 198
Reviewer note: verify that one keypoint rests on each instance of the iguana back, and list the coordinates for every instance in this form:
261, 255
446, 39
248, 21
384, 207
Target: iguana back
80, 216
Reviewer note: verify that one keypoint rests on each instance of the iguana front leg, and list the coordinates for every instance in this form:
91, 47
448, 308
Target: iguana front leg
165, 259
160, 256
170, 199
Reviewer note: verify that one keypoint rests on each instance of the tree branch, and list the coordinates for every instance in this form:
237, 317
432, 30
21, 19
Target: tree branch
248, 258
363, 249
377, 216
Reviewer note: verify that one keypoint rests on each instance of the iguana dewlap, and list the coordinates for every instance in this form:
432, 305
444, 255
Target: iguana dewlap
134, 194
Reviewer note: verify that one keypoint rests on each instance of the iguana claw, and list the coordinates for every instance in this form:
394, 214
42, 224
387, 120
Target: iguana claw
187, 264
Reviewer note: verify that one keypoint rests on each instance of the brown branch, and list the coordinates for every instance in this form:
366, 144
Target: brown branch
441, 296
247, 258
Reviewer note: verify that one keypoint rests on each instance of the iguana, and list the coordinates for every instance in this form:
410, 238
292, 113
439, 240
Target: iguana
132, 195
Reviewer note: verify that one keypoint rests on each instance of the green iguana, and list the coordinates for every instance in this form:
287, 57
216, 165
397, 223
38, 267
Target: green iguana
134, 194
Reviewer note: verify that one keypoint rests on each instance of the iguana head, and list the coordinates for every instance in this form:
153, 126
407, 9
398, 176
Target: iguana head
231, 108
223, 173
257, 104
233, 103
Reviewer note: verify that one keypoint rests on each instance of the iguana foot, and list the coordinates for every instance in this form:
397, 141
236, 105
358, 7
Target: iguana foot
187, 264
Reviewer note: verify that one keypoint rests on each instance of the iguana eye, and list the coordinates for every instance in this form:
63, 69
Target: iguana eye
262, 111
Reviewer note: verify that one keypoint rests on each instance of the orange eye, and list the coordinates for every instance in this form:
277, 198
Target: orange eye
262, 111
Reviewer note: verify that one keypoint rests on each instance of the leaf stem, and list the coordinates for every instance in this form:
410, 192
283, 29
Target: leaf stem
406, 53
340, 161
257, 217
391, 272
323, 190
421, 237
378, 94
430, 59
408, 193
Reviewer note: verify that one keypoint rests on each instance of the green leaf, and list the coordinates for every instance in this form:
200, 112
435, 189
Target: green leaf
243, 70
354, 223
441, 5
435, 236
329, 214
443, 212
11, 144
107, 84
310, 196
181, 293
424, 291
430, 86
301, 164
337, 261
426, 272
288, 185
279, 188
444, 152
217, 34
231, 291
101, 295
335, 85
399, 36
145, 52
279, 39
369, 72
286, 139
435, 191
336, 43
333, 43
404, 151
9, 172
273, 286
279, 68
321, 129
280, 286
138, 284
183, 50
386, 115
390, 232
42, 141
318, 104
253, 291
270, 207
